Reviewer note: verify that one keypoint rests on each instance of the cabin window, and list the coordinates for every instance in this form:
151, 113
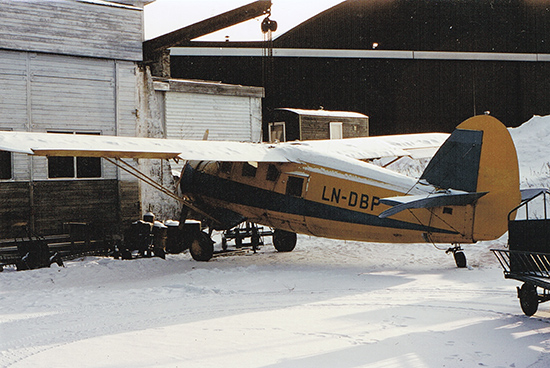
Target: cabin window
272, 173
336, 130
294, 186
5, 165
74, 167
249, 170
226, 167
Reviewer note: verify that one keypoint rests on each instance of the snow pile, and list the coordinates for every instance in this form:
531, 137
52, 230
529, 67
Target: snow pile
532, 140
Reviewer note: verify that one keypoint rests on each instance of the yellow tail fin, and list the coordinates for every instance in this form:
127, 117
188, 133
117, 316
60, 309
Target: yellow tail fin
498, 175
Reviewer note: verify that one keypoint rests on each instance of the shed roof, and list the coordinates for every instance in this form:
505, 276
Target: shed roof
325, 113
207, 87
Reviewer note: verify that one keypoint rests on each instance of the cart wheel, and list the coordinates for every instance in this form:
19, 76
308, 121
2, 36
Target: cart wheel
202, 247
238, 240
528, 299
224, 243
460, 259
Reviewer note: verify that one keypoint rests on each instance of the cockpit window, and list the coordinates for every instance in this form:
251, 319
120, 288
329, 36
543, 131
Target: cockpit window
225, 167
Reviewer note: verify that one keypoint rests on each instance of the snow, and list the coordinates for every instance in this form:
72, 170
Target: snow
531, 140
325, 113
329, 303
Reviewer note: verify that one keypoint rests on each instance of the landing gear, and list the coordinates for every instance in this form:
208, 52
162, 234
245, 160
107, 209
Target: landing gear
284, 241
528, 299
201, 247
458, 254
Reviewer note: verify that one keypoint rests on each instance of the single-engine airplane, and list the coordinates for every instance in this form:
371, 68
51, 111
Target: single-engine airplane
326, 188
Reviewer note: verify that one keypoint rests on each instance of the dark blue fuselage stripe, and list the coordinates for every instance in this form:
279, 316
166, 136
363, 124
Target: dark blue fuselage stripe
247, 195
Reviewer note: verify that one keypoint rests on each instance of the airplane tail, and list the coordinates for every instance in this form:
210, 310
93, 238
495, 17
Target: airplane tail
479, 158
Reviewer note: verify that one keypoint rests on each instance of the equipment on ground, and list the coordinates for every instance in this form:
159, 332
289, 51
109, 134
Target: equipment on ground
527, 258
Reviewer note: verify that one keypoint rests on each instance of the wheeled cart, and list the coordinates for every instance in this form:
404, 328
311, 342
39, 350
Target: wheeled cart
527, 258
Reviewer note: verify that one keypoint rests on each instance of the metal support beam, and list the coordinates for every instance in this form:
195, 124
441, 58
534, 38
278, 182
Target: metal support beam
216, 23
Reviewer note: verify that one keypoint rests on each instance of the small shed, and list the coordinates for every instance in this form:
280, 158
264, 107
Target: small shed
290, 124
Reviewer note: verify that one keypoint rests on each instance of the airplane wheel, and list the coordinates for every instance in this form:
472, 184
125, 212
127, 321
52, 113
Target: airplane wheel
460, 259
202, 247
528, 299
284, 241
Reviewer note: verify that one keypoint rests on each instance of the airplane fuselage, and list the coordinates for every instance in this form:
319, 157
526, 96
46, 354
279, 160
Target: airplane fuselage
337, 199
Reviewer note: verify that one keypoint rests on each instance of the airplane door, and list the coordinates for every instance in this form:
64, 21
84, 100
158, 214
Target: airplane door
291, 216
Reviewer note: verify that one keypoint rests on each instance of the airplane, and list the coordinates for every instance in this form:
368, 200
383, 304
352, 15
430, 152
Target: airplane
327, 188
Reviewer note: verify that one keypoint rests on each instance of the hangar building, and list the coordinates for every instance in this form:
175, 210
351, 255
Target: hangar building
410, 65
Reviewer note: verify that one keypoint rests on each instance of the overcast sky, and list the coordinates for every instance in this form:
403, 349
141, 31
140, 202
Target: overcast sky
164, 16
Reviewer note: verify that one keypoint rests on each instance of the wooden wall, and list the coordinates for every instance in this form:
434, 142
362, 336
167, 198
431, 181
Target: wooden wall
108, 205
316, 127
14, 207
72, 28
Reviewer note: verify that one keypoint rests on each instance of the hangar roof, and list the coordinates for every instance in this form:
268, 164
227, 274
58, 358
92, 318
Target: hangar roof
514, 26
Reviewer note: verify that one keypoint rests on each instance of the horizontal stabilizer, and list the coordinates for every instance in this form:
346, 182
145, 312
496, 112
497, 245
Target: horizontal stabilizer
439, 199
530, 193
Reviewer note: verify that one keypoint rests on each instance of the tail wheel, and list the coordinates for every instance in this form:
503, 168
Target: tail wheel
528, 299
202, 247
459, 256
460, 259
284, 241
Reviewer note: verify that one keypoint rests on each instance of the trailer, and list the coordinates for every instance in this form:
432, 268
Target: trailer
527, 258
29, 251
243, 231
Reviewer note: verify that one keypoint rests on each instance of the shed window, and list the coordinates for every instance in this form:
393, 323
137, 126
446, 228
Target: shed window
277, 132
74, 167
5, 165
60, 167
294, 186
88, 167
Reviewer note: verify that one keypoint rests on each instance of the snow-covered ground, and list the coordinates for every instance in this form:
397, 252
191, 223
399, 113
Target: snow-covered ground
328, 303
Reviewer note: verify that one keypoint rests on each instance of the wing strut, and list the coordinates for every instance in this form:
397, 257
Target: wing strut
143, 177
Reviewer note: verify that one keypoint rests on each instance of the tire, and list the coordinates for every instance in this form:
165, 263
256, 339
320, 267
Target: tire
528, 299
284, 241
460, 259
202, 247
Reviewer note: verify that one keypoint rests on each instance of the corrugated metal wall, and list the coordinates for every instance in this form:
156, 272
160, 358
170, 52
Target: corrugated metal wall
189, 115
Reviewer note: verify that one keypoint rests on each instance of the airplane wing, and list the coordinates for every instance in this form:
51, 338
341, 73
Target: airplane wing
56, 144
419, 145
